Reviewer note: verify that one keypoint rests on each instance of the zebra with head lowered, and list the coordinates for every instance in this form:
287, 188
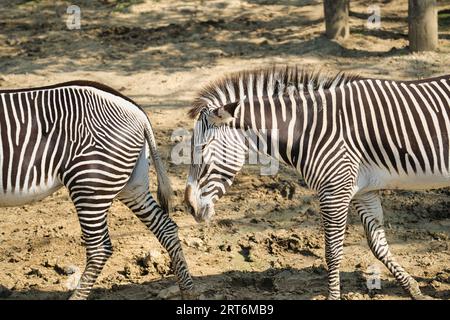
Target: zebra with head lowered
94, 141
347, 136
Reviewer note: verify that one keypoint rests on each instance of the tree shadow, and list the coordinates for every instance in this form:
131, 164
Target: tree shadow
149, 42
152, 41
35, 38
297, 3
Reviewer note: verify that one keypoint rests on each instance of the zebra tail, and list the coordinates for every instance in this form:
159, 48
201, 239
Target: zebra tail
165, 192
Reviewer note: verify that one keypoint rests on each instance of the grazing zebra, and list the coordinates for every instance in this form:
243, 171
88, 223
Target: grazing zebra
347, 136
93, 140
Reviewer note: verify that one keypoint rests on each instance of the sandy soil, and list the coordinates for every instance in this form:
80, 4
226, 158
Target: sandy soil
266, 241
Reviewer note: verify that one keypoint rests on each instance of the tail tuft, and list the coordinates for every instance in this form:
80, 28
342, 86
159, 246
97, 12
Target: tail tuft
164, 193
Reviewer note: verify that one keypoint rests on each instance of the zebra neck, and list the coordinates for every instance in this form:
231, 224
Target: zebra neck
275, 124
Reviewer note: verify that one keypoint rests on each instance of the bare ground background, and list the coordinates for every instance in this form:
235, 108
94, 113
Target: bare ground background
266, 241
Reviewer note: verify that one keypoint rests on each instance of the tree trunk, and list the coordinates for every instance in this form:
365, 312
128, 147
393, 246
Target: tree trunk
423, 25
336, 18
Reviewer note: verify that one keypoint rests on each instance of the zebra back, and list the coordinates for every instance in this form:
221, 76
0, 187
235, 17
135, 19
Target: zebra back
114, 97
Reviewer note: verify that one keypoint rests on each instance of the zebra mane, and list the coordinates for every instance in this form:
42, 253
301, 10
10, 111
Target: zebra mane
264, 82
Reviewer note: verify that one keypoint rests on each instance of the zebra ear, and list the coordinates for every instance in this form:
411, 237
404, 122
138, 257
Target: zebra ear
223, 115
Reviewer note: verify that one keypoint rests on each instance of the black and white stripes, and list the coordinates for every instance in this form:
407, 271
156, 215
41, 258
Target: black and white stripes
94, 141
347, 136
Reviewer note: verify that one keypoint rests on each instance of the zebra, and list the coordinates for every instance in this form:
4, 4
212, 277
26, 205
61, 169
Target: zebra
347, 136
94, 141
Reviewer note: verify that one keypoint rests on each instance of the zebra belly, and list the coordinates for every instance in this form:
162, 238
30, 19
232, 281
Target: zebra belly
377, 180
36, 193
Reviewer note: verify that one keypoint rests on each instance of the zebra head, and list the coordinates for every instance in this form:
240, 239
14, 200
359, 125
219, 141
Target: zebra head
220, 143
218, 151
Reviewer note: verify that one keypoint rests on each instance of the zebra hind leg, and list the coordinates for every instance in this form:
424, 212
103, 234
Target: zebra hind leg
137, 197
165, 230
370, 212
93, 220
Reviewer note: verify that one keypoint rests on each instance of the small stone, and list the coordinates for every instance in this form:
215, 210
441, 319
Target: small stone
154, 262
194, 242
71, 270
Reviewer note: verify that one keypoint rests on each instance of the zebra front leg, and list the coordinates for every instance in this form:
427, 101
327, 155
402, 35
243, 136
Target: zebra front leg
334, 216
369, 209
98, 246
165, 230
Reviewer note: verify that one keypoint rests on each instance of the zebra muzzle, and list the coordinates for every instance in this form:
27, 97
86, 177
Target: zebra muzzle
190, 201
200, 213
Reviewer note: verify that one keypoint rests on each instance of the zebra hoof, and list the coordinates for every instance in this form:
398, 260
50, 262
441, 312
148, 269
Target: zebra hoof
423, 297
76, 296
415, 293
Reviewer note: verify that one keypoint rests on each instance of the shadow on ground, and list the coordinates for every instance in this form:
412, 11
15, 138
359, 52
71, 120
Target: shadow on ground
148, 41
271, 284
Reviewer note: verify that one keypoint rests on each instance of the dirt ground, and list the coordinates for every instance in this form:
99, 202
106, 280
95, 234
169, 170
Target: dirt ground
266, 241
